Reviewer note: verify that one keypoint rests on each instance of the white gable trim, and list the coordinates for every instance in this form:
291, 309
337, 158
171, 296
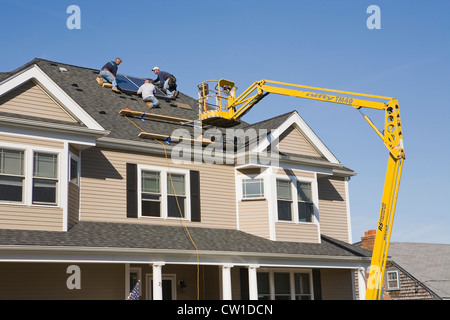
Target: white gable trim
297, 121
36, 73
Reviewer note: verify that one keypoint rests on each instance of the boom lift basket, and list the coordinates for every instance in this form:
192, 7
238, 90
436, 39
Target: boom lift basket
214, 111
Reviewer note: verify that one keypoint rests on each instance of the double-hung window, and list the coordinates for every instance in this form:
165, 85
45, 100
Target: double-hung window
392, 280
12, 175
164, 194
305, 204
151, 194
45, 178
294, 192
284, 200
176, 195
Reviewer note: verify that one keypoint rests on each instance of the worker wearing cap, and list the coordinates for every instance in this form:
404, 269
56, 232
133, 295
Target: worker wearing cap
148, 94
166, 81
109, 71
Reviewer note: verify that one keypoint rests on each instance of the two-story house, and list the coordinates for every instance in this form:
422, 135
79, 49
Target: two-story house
92, 200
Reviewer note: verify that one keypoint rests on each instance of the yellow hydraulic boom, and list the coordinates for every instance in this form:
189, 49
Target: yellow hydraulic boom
229, 114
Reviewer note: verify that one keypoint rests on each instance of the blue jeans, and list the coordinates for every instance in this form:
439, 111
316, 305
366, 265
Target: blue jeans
153, 100
108, 76
166, 87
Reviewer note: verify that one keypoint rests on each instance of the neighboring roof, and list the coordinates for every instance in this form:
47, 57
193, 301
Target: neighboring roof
427, 262
134, 236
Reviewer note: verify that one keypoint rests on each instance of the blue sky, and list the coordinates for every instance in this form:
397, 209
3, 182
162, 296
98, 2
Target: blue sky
323, 43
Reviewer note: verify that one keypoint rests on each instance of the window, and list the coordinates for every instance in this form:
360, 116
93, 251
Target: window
392, 279
290, 285
45, 178
305, 204
282, 286
302, 286
135, 276
151, 194
284, 200
11, 175
176, 195
252, 188
302, 196
164, 194
74, 171
263, 285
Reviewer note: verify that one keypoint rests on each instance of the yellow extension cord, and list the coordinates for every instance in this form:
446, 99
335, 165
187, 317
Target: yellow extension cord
181, 214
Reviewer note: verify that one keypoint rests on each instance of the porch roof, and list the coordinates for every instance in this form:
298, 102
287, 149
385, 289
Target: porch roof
159, 237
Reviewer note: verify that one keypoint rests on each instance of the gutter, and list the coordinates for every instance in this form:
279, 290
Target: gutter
71, 254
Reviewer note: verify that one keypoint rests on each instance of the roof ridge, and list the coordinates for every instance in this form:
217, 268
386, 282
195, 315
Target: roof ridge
273, 118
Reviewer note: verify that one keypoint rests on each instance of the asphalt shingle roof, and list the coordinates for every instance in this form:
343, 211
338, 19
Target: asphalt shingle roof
133, 235
427, 262
103, 106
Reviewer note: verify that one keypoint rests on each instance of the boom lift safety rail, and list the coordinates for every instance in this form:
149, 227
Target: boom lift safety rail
227, 113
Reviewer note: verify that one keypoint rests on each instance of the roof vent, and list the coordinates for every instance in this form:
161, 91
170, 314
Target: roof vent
62, 69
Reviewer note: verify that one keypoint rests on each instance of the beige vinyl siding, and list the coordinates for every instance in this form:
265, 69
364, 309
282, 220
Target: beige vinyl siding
333, 208
301, 232
103, 188
31, 100
293, 141
47, 281
31, 217
254, 217
74, 204
336, 284
294, 172
31, 141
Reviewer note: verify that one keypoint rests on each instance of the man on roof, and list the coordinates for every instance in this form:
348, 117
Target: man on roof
109, 72
148, 94
167, 82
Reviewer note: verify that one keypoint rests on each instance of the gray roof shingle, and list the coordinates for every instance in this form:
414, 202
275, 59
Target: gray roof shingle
427, 262
133, 235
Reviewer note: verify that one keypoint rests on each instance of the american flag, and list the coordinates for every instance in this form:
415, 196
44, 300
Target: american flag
134, 294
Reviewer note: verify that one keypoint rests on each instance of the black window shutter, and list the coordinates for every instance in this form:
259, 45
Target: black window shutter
317, 284
132, 192
195, 195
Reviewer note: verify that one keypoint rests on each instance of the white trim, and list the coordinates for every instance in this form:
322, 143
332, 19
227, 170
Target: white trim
291, 272
315, 195
29, 151
45, 82
163, 179
78, 160
297, 121
172, 277
347, 208
44, 131
63, 172
129, 270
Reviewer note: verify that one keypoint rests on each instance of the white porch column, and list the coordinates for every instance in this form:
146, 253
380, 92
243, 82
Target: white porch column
157, 280
226, 281
361, 283
252, 282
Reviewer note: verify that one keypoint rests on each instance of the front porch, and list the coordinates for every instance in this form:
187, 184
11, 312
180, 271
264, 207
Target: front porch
162, 281
104, 260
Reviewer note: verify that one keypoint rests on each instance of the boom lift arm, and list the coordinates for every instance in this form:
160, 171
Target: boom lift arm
230, 114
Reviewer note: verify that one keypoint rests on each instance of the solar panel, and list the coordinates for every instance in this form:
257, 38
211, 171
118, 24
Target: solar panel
132, 84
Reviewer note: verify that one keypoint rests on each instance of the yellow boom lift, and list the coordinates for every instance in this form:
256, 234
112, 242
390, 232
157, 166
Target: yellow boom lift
226, 109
